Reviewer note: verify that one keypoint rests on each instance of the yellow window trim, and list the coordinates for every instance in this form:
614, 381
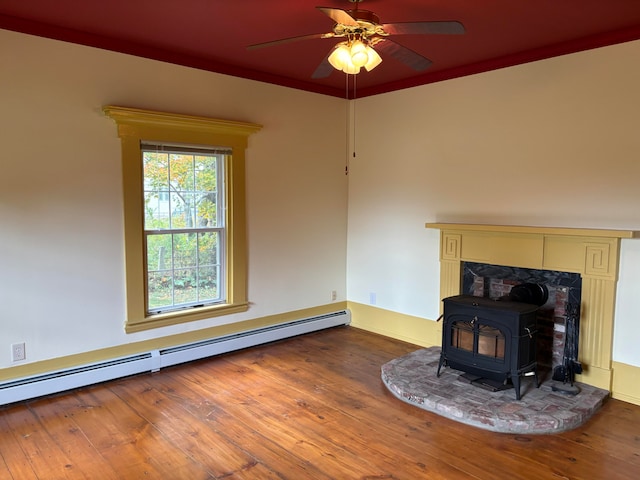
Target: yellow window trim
134, 126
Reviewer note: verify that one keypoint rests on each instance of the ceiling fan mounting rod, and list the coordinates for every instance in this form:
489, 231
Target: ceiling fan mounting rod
364, 16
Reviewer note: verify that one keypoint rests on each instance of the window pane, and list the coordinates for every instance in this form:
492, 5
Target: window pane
159, 253
156, 190
182, 210
156, 169
206, 209
160, 290
206, 173
181, 172
208, 283
208, 249
159, 271
156, 210
185, 247
185, 282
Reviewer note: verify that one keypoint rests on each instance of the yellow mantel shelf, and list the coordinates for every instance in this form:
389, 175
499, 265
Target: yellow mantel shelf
580, 232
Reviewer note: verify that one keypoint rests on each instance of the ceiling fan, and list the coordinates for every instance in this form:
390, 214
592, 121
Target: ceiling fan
364, 37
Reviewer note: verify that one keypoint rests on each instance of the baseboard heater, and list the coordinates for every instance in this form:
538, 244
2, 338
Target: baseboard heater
59, 381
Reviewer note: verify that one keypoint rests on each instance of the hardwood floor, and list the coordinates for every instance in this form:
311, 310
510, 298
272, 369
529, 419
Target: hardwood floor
311, 407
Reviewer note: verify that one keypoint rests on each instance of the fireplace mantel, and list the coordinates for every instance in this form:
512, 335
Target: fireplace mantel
582, 232
592, 253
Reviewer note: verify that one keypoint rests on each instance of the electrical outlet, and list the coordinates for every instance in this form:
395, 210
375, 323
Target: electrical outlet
18, 352
372, 298
334, 295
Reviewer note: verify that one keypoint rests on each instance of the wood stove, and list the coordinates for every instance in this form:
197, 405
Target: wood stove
490, 339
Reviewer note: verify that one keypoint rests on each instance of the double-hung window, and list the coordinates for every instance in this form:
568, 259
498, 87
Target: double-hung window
184, 216
184, 226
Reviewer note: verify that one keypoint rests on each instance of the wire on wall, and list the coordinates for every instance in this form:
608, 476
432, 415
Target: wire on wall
350, 117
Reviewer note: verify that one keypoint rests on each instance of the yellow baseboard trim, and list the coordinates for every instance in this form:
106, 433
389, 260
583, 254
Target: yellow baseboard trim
625, 385
597, 377
410, 329
71, 361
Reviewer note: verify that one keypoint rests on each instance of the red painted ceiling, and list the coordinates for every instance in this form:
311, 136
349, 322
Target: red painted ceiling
213, 34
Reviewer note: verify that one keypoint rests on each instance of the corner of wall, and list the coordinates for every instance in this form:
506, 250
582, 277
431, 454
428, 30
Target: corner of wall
625, 384
407, 328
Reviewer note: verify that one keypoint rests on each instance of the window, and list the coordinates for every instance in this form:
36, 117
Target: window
184, 226
184, 216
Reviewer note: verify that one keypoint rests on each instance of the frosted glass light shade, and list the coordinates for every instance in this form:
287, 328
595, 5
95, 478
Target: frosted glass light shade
351, 69
340, 56
359, 54
374, 59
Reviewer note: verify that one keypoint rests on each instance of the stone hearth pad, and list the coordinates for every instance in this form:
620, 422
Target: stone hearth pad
412, 379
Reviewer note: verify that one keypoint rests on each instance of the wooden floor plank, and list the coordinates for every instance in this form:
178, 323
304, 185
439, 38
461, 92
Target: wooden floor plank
187, 432
16, 463
44, 454
310, 407
361, 409
133, 447
613, 431
210, 406
66, 434
315, 411
264, 408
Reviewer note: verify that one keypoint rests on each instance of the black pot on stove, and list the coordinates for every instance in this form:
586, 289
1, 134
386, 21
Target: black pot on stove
533, 293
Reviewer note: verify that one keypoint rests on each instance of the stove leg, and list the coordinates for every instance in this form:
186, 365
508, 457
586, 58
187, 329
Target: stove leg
515, 379
440, 363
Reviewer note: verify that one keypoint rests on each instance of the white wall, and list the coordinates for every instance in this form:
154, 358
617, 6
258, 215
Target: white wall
61, 237
520, 146
551, 143
627, 319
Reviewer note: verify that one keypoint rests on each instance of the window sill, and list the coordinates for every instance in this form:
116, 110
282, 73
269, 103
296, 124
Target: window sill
173, 318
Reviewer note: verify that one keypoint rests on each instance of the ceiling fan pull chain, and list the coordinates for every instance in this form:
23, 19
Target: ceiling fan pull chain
355, 77
347, 122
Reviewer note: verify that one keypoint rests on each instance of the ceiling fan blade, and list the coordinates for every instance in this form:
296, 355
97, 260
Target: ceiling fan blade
324, 69
408, 28
403, 54
289, 40
338, 16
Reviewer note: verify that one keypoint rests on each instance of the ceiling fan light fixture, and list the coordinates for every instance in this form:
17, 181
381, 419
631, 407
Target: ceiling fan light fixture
340, 59
351, 69
349, 57
374, 59
359, 54
340, 56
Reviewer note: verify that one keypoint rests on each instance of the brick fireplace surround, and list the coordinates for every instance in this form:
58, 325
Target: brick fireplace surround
594, 254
